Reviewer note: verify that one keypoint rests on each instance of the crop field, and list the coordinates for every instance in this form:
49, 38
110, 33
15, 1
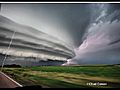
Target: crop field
89, 76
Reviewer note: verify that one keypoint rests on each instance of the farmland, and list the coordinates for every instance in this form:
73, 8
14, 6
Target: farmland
67, 76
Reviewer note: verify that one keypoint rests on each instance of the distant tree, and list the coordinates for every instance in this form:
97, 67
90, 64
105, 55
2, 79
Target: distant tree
12, 66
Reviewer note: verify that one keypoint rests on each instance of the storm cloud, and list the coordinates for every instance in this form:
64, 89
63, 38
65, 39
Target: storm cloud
67, 22
92, 30
102, 39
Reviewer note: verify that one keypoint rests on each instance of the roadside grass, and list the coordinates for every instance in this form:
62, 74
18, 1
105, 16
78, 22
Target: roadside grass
67, 76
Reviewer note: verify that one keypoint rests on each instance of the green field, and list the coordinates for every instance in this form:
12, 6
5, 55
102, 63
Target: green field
67, 76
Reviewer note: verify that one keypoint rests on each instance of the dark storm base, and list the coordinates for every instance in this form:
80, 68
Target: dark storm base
29, 61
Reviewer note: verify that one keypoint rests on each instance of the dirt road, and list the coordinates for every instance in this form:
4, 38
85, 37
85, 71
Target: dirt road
7, 82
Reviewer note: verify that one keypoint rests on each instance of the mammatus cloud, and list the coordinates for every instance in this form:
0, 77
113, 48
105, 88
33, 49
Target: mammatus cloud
102, 41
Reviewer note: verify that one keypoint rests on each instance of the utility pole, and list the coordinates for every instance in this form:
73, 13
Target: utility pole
7, 50
0, 7
8, 46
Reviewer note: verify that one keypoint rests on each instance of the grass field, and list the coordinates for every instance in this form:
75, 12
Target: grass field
67, 76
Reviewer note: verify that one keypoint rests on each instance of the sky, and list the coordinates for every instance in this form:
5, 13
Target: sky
91, 29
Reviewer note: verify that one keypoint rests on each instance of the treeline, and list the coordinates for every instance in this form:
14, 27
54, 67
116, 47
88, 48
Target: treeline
13, 66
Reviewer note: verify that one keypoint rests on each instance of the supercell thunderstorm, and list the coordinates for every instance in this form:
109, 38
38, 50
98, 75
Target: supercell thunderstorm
64, 32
